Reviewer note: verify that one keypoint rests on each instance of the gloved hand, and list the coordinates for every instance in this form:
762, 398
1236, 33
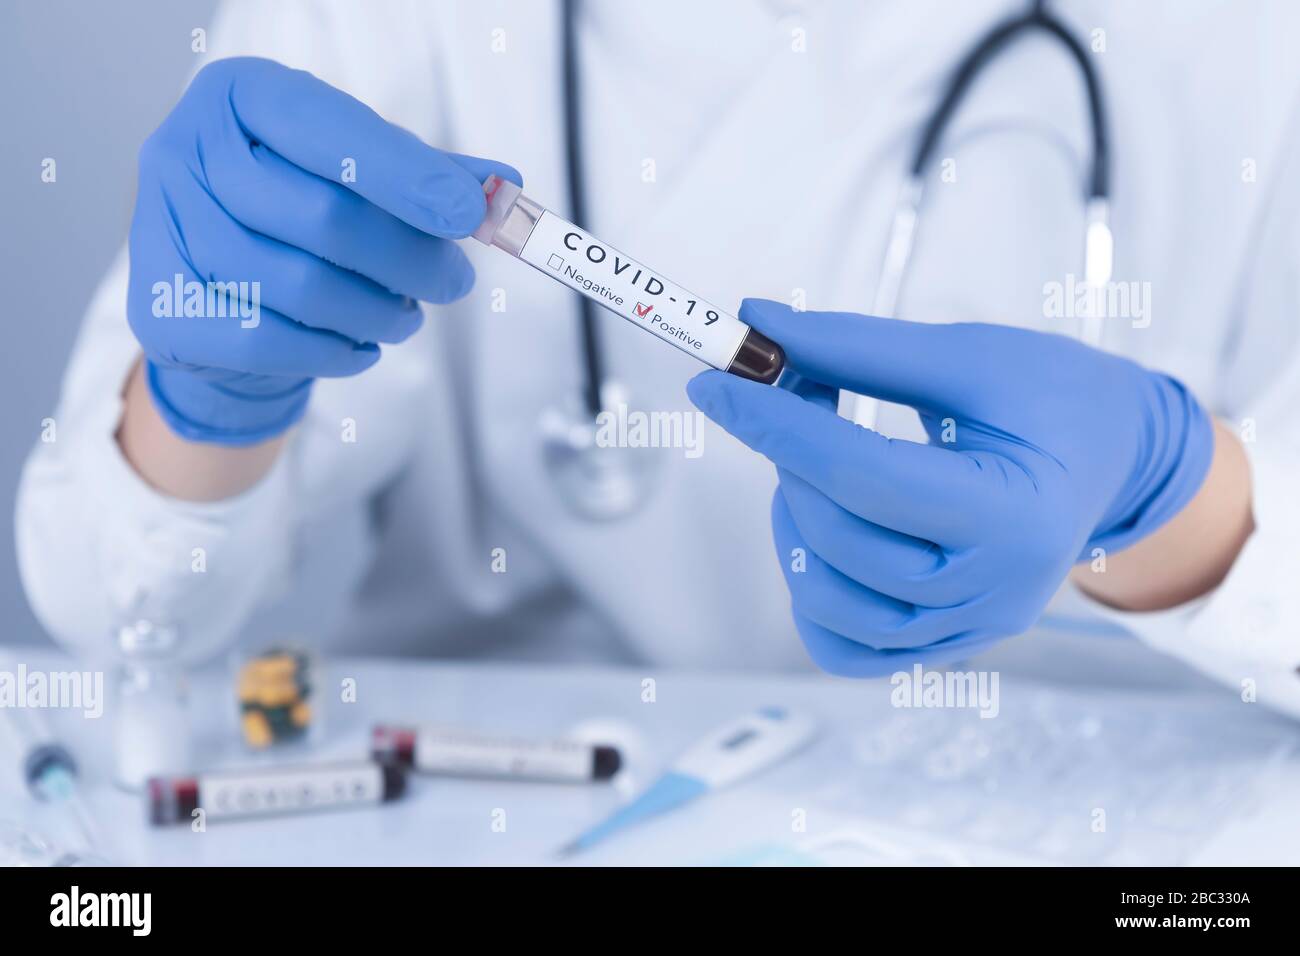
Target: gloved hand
332, 219
1041, 449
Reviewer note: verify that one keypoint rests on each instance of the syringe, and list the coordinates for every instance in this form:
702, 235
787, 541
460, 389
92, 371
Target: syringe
47, 769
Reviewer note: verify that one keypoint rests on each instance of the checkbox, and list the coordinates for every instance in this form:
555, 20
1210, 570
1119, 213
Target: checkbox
555, 262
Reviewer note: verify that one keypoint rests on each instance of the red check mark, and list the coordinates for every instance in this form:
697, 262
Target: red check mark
642, 310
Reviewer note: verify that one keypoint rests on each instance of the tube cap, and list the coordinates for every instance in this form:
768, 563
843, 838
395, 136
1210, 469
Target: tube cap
758, 359
606, 761
501, 195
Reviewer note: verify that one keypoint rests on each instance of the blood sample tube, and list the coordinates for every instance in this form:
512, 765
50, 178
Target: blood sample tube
573, 256
263, 791
452, 752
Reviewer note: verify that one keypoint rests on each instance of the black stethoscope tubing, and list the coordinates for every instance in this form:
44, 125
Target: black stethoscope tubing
1037, 19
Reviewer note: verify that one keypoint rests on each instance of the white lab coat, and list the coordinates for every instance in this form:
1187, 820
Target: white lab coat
742, 149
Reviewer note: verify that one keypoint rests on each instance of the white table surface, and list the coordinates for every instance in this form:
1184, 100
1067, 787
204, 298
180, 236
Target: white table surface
443, 821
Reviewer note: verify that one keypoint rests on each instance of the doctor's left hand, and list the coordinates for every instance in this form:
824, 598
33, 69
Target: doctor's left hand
1041, 450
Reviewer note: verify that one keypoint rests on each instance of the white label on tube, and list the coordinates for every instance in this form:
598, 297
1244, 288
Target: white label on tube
452, 753
623, 285
256, 792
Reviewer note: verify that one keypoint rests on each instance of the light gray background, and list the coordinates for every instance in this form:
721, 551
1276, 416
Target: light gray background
85, 82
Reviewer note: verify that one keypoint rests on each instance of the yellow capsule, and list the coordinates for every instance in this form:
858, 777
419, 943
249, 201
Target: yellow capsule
257, 729
300, 714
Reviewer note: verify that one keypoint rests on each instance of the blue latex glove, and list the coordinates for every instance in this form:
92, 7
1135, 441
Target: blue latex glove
250, 180
931, 552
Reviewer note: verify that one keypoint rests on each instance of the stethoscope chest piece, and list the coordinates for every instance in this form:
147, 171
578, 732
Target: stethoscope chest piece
592, 467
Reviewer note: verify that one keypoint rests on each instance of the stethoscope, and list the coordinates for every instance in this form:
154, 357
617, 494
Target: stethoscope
602, 483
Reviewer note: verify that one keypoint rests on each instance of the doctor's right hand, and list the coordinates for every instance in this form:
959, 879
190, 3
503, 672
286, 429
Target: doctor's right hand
282, 231
1043, 453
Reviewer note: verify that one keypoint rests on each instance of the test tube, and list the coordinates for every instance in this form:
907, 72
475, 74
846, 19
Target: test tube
573, 256
452, 752
268, 791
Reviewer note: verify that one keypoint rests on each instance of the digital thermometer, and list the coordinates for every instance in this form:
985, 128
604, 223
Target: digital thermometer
729, 754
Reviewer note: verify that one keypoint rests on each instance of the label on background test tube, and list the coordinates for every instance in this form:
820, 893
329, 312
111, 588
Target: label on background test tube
457, 753
259, 791
571, 255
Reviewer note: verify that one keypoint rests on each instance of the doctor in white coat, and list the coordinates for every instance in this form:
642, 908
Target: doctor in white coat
409, 507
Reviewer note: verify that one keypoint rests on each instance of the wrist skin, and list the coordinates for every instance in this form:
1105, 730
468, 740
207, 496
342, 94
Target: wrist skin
188, 470
1189, 555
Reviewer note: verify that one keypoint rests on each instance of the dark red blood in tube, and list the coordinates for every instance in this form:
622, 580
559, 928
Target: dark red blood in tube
393, 744
759, 359
171, 801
